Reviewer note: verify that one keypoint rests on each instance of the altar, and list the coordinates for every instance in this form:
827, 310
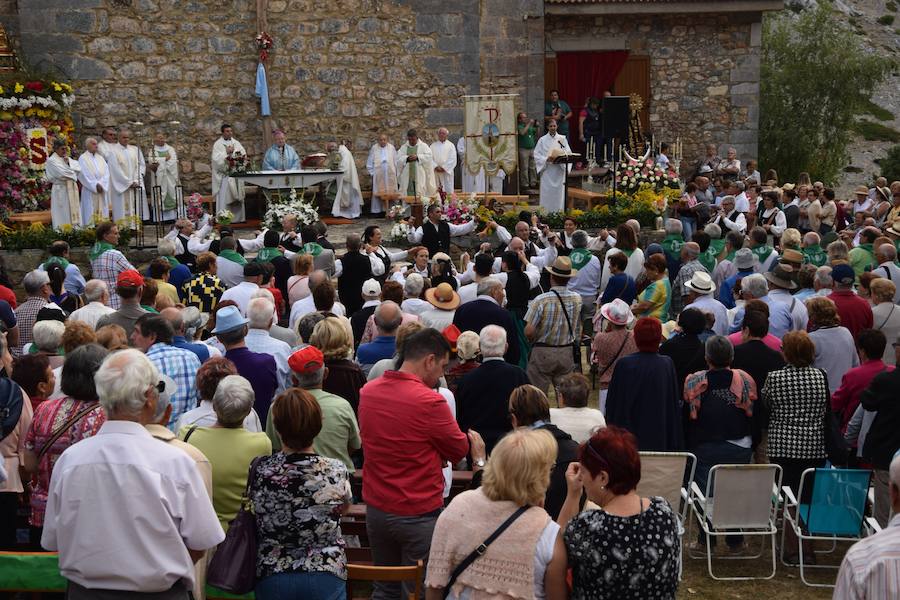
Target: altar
281, 180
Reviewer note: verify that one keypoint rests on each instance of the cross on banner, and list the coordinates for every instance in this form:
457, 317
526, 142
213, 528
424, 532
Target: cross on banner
491, 133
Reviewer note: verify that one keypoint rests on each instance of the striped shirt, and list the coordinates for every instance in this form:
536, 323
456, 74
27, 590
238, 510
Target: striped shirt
545, 314
871, 568
107, 267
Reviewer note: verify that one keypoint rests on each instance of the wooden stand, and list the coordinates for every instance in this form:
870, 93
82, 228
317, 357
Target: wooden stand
25, 219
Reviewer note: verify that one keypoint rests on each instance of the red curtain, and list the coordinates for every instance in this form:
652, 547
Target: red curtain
585, 74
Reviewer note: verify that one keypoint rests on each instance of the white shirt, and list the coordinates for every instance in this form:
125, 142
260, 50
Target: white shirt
437, 318
415, 235
122, 510
205, 416
90, 313
580, 423
710, 306
304, 306
241, 294
587, 280
741, 203
259, 340
415, 306
230, 273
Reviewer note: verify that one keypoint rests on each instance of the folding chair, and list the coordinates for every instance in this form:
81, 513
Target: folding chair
670, 475
368, 573
836, 512
739, 500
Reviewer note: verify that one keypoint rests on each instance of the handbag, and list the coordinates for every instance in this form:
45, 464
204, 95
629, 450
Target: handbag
481, 548
233, 566
836, 447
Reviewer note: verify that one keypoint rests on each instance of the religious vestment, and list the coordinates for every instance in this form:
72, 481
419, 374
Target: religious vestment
127, 167
94, 172
348, 202
475, 183
552, 175
444, 156
166, 177
62, 172
284, 158
416, 177
229, 192
382, 166
105, 148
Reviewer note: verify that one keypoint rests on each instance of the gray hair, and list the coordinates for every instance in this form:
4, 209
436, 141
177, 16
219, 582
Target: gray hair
264, 293
887, 252
353, 242
310, 380
823, 277
59, 143
755, 284
47, 335
388, 316
94, 290
162, 403
811, 238
165, 247
488, 284
492, 341
580, 239
123, 380
233, 400
719, 351
674, 226
412, 287
635, 225
306, 324
729, 198
260, 312
192, 319
34, 281
713, 230
87, 141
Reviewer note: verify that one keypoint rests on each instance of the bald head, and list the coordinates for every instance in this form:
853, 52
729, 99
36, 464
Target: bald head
690, 251
316, 278
388, 318
516, 244
173, 316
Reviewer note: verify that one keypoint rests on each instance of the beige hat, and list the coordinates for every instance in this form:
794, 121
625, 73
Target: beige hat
467, 345
562, 267
862, 190
442, 297
894, 229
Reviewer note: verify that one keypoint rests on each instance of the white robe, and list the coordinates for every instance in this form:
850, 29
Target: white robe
444, 155
382, 166
229, 192
126, 166
94, 171
62, 172
424, 167
166, 177
348, 202
105, 148
552, 175
475, 183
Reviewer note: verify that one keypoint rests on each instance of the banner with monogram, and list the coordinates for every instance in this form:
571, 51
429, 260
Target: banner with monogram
491, 133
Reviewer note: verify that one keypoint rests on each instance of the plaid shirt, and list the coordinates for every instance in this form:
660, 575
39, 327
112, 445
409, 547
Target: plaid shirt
182, 366
107, 267
685, 274
26, 314
546, 315
203, 291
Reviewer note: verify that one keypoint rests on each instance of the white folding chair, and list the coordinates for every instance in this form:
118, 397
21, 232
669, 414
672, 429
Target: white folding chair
739, 500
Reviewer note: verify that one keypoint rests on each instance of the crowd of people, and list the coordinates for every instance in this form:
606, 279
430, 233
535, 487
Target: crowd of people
155, 404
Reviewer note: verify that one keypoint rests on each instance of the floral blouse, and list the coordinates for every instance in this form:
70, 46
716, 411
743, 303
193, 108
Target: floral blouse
297, 500
624, 557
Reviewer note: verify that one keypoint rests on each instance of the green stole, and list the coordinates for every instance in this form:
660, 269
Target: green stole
580, 257
814, 255
173, 262
267, 254
673, 244
312, 248
233, 256
56, 260
411, 186
762, 253
99, 248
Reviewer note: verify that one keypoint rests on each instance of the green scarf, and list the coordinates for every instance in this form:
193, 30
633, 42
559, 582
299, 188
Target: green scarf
149, 309
762, 253
580, 257
173, 262
233, 256
673, 244
708, 259
814, 255
312, 248
99, 248
267, 254
56, 260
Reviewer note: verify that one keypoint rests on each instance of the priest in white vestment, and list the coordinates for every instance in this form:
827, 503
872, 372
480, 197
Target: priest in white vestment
281, 156
94, 178
126, 179
552, 175
416, 167
108, 139
382, 166
348, 203
62, 172
475, 183
228, 191
443, 152
163, 162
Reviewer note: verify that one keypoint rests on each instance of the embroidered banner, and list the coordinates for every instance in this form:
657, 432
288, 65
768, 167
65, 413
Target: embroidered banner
37, 147
491, 133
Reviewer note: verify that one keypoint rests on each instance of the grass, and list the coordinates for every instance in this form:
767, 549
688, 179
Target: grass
882, 114
876, 132
885, 20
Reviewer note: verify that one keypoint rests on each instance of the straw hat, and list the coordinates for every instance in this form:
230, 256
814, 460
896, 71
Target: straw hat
562, 267
442, 297
861, 190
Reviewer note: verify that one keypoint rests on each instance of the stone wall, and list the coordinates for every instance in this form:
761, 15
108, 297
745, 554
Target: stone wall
340, 69
704, 72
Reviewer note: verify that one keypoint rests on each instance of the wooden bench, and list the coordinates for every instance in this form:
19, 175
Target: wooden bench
590, 199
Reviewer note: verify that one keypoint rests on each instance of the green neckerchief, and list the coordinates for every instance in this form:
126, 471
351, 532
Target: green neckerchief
312, 248
580, 257
762, 253
233, 256
672, 244
56, 260
173, 262
267, 254
149, 309
627, 253
730, 256
99, 248
814, 255
717, 245
708, 259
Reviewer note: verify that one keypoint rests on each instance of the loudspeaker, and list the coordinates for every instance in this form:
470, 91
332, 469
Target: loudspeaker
616, 115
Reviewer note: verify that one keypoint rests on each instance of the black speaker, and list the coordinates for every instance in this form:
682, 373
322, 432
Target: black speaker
616, 115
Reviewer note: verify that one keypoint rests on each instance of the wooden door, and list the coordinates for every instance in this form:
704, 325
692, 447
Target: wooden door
635, 79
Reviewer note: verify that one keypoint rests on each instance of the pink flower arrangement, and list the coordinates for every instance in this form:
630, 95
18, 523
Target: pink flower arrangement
21, 188
194, 207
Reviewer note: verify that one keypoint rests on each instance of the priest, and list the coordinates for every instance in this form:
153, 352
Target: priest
553, 176
163, 162
443, 153
126, 178
382, 166
281, 156
474, 184
108, 139
416, 167
228, 192
94, 178
62, 172
348, 202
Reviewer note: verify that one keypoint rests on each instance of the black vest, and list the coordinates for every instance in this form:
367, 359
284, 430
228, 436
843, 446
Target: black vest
384, 258
436, 239
186, 257
290, 244
356, 269
215, 246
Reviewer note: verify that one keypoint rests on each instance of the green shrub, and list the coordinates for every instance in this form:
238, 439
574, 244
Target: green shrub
40, 237
885, 20
876, 132
882, 114
891, 5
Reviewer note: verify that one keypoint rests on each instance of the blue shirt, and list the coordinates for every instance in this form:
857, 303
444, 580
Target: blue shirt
383, 346
726, 293
201, 350
620, 285
780, 319
182, 366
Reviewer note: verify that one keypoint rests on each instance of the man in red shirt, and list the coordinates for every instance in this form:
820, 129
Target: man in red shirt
870, 344
408, 434
855, 312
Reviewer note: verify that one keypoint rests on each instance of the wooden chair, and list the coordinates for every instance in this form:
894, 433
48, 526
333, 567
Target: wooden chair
398, 574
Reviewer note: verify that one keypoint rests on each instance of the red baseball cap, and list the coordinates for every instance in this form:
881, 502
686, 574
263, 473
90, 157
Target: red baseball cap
129, 278
308, 359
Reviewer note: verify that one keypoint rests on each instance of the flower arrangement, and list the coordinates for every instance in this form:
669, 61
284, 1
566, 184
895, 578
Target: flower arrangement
299, 206
608, 215
658, 199
224, 217
264, 43
397, 213
194, 207
399, 232
632, 174
454, 209
44, 99
236, 164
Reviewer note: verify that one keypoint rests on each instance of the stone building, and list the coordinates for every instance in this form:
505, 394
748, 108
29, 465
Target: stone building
353, 68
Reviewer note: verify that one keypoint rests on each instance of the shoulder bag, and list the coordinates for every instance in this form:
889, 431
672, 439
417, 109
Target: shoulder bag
614, 358
481, 549
65, 427
576, 356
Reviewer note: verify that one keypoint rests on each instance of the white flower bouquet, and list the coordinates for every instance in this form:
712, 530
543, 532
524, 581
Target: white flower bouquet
297, 205
399, 232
